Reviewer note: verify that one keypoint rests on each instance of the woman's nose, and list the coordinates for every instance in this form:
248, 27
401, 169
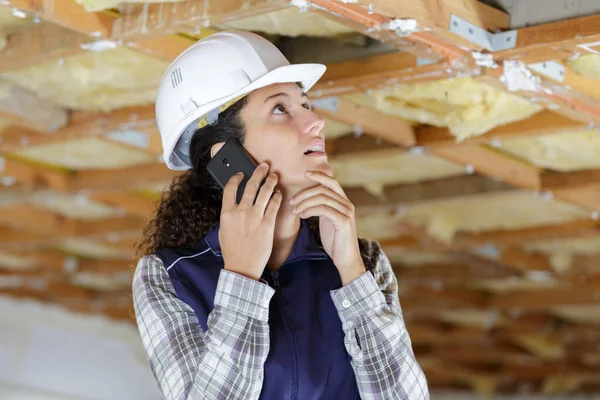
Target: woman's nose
313, 123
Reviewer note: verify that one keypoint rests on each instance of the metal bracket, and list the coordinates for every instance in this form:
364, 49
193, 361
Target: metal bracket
487, 40
551, 69
589, 47
327, 103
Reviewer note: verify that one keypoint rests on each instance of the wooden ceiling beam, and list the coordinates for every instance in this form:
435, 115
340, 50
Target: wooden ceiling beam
540, 124
43, 43
556, 40
17, 103
88, 180
133, 204
427, 190
378, 124
376, 72
140, 21
68, 14
575, 229
45, 222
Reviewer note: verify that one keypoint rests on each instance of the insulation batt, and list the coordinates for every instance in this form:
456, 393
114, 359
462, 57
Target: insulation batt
289, 21
442, 219
587, 66
391, 167
101, 81
563, 152
467, 107
86, 153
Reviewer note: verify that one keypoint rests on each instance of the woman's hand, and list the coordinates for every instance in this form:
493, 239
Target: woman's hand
337, 224
247, 229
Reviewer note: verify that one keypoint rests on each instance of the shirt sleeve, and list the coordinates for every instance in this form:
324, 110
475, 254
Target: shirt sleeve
376, 337
224, 362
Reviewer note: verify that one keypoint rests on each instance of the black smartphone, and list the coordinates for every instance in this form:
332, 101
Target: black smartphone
228, 161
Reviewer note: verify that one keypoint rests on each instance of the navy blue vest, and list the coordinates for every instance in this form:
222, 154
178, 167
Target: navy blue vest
307, 358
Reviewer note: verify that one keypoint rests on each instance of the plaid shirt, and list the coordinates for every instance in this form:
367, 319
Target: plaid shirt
226, 361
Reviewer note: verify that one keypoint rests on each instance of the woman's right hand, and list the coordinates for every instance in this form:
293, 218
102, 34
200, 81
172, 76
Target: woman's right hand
246, 230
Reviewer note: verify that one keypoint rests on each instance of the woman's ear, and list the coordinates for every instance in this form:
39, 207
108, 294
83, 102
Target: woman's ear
215, 148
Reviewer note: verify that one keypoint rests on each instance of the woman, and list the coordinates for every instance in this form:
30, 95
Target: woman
274, 297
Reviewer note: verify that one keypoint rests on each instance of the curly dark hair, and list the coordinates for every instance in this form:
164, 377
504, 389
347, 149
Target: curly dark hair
191, 207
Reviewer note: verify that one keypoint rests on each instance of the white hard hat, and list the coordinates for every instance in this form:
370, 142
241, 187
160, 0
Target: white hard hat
211, 73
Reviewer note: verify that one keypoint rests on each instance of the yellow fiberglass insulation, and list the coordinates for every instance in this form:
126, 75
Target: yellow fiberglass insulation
290, 21
563, 152
101, 81
442, 219
464, 105
391, 166
85, 153
490, 211
90, 249
587, 66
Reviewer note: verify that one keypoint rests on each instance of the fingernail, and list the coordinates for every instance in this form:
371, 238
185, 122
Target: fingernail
292, 201
263, 165
294, 211
308, 173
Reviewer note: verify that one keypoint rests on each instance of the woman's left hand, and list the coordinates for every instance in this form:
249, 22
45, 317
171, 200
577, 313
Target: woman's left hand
336, 222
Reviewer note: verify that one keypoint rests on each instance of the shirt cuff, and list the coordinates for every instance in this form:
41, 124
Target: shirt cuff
243, 295
358, 298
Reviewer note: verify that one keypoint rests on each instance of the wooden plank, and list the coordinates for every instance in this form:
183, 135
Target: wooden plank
82, 124
556, 40
16, 104
543, 123
131, 203
576, 229
376, 72
125, 178
437, 14
165, 48
427, 190
587, 196
68, 14
139, 21
370, 120
35, 175
44, 43
88, 180
569, 179
492, 163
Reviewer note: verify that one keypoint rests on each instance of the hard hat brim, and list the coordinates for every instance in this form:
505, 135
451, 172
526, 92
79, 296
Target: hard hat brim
306, 74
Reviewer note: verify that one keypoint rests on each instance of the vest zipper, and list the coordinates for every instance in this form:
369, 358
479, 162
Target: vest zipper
288, 333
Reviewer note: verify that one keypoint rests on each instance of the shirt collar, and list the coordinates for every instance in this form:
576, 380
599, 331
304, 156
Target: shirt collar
306, 245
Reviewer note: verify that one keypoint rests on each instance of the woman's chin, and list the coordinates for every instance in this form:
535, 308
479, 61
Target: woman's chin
321, 166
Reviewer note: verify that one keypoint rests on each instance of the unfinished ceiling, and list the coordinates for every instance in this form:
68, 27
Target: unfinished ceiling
475, 164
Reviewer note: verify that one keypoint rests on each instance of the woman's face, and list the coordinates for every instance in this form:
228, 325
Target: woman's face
280, 129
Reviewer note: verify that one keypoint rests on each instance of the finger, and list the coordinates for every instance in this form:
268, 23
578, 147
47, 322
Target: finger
315, 190
322, 199
265, 193
330, 213
273, 207
230, 191
327, 181
253, 184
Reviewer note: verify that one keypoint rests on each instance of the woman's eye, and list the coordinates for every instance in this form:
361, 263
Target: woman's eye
307, 106
279, 110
